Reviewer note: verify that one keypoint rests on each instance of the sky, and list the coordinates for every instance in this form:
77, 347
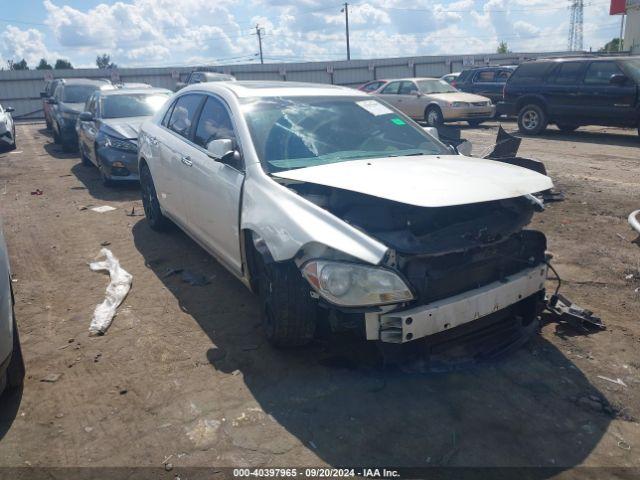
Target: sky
189, 32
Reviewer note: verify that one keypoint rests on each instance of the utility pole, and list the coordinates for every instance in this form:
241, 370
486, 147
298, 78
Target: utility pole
259, 33
345, 9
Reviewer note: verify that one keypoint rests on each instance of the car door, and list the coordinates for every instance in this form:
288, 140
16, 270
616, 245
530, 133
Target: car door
174, 149
607, 103
390, 93
214, 188
409, 101
87, 130
484, 83
562, 92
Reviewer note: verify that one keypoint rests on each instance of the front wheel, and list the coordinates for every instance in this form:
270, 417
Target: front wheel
289, 313
433, 116
157, 221
56, 134
532, 119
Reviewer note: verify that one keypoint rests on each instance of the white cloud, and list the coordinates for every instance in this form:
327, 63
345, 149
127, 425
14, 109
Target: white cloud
16, 44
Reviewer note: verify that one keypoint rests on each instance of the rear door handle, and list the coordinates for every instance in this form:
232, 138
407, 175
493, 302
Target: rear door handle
186, 160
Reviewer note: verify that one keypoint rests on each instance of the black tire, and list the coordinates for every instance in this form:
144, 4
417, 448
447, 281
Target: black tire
56, 134
48, 125
567, 128
289, 314
475, 123
153, 213
532, 119
433, 116
83, 156
15, 370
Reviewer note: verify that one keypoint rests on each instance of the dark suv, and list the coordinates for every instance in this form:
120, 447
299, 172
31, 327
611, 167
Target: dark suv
67, 103
571, 92
486, 81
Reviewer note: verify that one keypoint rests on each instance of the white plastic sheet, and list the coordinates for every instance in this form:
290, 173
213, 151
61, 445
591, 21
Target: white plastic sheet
117, 290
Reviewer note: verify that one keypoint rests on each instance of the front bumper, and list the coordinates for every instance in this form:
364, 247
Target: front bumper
439, 316
119, 165
469, 113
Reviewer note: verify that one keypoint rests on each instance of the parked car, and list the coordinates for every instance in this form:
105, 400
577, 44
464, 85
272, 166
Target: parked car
108, 127
11, 362
373, 86
435, 101
67, 102
336, 207
573, 92
486, 81
49, 89
133, 85
7, 129
450, 78
202, 77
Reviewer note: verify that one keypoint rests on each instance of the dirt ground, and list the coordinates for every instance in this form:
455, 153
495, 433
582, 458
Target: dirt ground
185, 376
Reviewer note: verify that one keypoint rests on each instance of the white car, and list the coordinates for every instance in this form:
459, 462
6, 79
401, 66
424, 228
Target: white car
7, 129
337, 208
11, 363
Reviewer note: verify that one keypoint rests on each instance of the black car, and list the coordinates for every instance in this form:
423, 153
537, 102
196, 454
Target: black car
108, 127
486, 81
66, 103
46, 94
572, 92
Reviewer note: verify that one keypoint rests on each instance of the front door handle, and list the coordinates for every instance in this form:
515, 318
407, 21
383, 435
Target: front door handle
186, 160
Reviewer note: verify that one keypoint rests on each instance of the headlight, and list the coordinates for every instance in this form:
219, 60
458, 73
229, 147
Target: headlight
459, 104
120, 144
354, 285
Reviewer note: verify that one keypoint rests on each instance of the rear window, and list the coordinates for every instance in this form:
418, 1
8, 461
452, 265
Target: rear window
530, 73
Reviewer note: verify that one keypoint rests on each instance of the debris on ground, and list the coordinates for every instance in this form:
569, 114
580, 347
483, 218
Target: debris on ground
103, 209
37, 191
633, 220
194, 279
105, 243
617, 381
51, 378
133, 213
117, 290
565, 311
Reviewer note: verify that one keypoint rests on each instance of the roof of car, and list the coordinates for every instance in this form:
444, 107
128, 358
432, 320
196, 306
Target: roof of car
134, 91
588, 58
85, 81
269, 88
410, 79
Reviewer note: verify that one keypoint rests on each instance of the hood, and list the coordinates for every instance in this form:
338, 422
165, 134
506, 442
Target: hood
426, 180
73, 107
123, 127
457, 97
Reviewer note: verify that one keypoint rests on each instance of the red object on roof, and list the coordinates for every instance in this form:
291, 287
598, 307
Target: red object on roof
618, 7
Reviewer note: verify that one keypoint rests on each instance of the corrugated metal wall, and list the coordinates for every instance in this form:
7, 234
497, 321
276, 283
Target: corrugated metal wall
21, 89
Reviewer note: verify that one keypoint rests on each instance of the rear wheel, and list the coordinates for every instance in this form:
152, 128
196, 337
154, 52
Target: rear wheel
289, 314
433, 116
567, 128
532, 119
157, 221
56, 134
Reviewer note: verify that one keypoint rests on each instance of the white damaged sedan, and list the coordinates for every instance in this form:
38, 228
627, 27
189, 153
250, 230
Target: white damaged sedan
338, 209
7, 129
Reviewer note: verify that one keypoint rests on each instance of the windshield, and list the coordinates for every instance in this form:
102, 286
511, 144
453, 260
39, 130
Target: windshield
297, 132
77, 93
132, 105
633, 68
435, 86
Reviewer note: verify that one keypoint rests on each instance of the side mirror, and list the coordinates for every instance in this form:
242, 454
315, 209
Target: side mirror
223, 150
85, 117
417, 93
9, 109
618, 79
43, 94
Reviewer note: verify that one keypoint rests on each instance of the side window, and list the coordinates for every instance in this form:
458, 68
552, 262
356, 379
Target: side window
599, 73
90, 104
486, 76
391, 89
370, 87
531, 73
214, 123
567, 73
407, 88
167, 115
183, 114
503, 75
195, 78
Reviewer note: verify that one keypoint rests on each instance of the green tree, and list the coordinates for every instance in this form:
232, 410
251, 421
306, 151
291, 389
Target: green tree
44, 65
104, 61
503, 48
62, 64
612, 46
21, 65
